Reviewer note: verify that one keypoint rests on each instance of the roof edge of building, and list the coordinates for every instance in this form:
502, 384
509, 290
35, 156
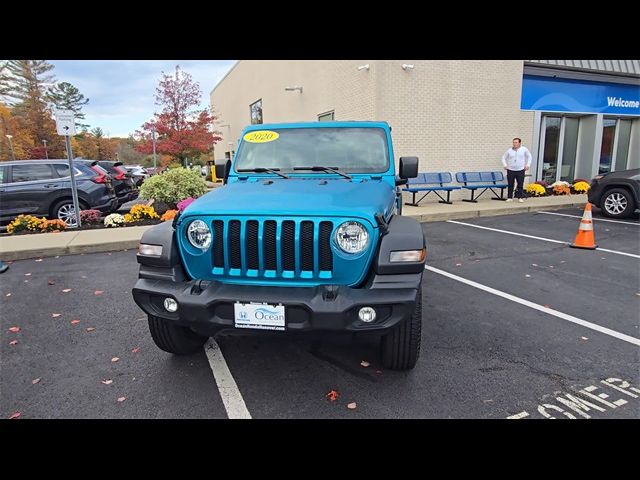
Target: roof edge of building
225, 76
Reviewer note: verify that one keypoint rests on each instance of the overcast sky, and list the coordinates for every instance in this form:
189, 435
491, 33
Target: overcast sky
121, 92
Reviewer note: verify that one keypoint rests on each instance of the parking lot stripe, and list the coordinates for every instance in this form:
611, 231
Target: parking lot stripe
599, 219
535, 306
229, 392
538, 238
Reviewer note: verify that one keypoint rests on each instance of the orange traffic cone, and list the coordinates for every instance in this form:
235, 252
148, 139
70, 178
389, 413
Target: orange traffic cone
585, 237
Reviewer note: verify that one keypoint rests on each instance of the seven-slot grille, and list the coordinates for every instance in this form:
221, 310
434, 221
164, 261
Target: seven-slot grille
287, 248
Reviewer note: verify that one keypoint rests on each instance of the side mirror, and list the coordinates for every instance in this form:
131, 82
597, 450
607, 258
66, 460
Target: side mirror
227, 170
408, 167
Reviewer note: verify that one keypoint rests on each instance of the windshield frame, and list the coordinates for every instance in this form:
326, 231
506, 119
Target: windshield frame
388, 153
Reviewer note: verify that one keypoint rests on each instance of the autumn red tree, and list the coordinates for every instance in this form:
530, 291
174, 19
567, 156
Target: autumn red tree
182, 131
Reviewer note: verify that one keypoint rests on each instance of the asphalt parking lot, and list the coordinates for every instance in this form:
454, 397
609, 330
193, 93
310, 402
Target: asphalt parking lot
513, 326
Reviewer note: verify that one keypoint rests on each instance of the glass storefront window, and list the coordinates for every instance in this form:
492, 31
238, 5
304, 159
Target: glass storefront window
606, 151
622, 152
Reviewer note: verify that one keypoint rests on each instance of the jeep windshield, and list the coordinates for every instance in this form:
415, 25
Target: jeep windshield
350, 150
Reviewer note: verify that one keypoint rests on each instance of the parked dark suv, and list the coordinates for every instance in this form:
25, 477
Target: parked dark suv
123, 182
43, 188
616, 193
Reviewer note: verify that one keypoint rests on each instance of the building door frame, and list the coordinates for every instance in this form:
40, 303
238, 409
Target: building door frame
543, 137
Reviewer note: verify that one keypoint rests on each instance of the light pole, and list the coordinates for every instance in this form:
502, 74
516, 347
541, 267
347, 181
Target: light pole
46, 153
13, 154
153, 137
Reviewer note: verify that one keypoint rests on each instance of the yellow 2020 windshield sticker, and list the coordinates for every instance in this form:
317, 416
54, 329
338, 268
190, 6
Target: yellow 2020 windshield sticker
261, 136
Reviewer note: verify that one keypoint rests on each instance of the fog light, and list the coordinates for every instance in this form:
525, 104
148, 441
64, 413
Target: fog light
367, 314
170, 304
150, 250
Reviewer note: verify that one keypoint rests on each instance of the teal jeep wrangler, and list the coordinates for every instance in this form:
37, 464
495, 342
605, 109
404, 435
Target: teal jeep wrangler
305, 235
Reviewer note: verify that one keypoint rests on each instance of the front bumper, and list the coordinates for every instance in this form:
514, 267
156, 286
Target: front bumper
208, 307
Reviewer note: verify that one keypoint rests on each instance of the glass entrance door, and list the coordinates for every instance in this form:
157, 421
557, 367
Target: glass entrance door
549, 151
559, 140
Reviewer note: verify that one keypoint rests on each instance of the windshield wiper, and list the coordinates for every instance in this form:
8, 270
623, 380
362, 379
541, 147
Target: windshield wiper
324, 169
263, 170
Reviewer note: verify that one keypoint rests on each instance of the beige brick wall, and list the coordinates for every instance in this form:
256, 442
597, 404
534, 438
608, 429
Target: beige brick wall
327, 85
455, 115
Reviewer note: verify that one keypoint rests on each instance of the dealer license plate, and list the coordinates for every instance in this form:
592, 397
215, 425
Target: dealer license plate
259, 315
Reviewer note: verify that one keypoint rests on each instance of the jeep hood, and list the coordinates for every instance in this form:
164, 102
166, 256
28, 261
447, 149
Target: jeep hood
317, 197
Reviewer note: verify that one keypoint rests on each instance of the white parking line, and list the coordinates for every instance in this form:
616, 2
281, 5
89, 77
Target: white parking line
538, 238
599, 219
229, 392
535, 306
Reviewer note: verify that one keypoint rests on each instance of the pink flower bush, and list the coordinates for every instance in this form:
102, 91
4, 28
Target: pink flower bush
182, 204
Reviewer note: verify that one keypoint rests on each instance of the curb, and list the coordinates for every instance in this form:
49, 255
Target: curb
70, 250
442, 216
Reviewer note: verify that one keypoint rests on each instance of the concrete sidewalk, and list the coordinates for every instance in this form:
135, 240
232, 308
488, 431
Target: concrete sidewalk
106, 240
19, 247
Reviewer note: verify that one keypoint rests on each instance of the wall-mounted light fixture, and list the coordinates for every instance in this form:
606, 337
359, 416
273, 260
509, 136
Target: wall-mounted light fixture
406, 66
291, 89
364, 67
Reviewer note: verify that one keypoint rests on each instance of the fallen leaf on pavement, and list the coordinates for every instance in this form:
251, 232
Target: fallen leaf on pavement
38, 259
15, 415
352, 405
122, 399
562, 261
8, 295
13, 342
35, 380
75, 322
90, 329
584, 338
364, 363
107, 382
57, 256
534, 264
27, 274
332, 395
115, 359
83, 276
546, 306
55, 315
66, 290
98, 292
14, 329
487, 401
528, 276
50, 282
458, 264
135, 350
26, 281
109, 253
378, 372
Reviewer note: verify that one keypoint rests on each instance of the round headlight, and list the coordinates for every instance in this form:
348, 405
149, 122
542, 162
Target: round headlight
352, 237
199, 235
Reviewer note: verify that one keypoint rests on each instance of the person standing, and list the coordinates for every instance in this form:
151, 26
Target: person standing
516, 162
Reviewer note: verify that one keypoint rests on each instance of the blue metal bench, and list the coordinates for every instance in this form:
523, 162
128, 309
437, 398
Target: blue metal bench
487, 180
430, 182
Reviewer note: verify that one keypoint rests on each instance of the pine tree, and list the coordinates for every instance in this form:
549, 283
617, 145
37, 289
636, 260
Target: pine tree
64, 95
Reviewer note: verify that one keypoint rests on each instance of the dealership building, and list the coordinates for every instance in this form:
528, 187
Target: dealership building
577, 117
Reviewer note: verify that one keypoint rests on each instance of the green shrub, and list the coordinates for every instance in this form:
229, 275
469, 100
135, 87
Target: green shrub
173, 185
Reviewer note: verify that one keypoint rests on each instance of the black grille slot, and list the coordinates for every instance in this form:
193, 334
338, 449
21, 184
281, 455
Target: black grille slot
306, 245
288, 245
326, 255
251, 249
269, 245
218, 245
234, 244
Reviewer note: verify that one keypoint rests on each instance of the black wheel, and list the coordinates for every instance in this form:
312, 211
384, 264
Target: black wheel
63, 210
174, 338
617, 203
400, 348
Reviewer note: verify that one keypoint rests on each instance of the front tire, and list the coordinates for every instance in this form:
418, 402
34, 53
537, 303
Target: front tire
174, 338
63, 210
400, 348
617, 203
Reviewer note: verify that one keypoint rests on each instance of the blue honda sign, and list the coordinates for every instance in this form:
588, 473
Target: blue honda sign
580, 96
